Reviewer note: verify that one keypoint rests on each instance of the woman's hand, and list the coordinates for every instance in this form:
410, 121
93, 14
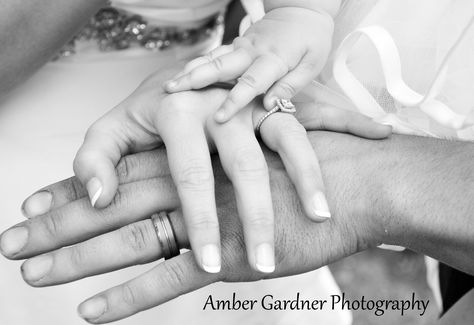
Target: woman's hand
183, 123
73, 240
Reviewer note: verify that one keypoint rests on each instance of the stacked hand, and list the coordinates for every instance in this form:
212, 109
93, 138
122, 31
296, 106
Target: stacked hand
183, 123
73, 240
279, 55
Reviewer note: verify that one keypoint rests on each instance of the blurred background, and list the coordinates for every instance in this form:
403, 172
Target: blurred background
385, 274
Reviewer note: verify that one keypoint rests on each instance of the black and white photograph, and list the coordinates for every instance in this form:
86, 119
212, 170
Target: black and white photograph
261, 162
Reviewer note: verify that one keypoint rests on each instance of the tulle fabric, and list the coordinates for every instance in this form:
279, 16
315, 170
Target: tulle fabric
428, 35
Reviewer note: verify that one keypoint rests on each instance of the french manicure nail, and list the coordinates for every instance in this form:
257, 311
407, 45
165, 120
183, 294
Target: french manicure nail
320, 206
13, 241
94, 188
36, 268
37, 204
211, 260
93, 308
265, 258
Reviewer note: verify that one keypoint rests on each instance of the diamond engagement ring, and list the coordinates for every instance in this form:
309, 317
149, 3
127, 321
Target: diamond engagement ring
282, 105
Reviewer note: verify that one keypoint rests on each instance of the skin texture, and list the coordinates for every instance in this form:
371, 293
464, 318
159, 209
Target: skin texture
276, 56
377, 190
184, 123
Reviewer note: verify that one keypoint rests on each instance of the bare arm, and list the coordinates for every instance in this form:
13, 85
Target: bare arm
32, 31
420, 189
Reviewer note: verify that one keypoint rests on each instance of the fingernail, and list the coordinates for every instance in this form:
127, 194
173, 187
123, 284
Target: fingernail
94, 188
36, 268
171, 84
211, 261
265, 258
273, 101
220, 115
92, 308
37, 204
12, 241
320, 206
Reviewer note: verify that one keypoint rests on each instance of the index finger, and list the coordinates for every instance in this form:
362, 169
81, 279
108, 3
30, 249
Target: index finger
259, 77
222, 68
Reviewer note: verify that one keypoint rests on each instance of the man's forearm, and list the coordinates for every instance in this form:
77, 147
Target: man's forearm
419, 188
32, 31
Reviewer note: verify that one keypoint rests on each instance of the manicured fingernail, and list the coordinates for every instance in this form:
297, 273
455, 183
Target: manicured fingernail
93, 308
265, 258
36, 268
37, 204
13, 241
211, 260
94, 188
220, 116
320, 206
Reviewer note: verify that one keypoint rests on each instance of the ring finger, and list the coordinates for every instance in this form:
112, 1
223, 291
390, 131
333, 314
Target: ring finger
136, 243
284, 134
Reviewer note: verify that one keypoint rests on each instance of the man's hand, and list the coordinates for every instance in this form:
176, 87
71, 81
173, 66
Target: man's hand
121, 235
391, 191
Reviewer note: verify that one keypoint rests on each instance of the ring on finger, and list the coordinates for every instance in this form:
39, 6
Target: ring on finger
165, 233
282, 105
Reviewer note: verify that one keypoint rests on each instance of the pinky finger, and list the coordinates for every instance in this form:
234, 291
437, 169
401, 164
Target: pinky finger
284, 134
341, 120
165, 282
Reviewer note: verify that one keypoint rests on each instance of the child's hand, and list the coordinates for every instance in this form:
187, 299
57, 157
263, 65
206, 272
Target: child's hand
278, 55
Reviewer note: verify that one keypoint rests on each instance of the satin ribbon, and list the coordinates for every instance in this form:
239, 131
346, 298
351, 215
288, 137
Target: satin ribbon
391, 66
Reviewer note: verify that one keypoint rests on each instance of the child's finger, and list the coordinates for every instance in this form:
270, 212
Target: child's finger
292, 83
208, 58
223, 68
255, 81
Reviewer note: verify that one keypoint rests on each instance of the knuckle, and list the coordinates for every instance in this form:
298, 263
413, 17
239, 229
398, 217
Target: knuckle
136, 236
249, 163
291, 132
120, 199
129, 295
174, 275
78, 257
203, 221
195, 175
53, 225
218, 64
288, 89
260, 218
125, 166
251, 82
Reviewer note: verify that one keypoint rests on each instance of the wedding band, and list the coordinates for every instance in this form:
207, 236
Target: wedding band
282, 105
166, 235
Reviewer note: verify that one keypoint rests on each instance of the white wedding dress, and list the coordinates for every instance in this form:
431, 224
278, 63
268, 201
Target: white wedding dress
42, 124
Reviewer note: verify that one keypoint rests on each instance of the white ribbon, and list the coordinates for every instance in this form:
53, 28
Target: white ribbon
391, 66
